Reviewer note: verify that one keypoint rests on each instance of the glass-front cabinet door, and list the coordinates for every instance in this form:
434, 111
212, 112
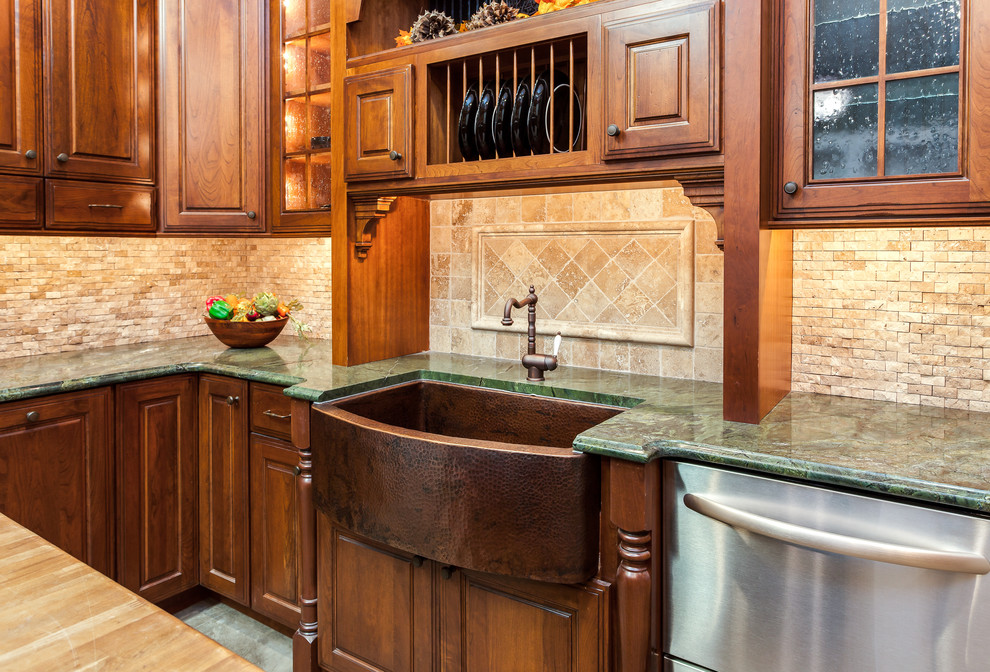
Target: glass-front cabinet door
884, 110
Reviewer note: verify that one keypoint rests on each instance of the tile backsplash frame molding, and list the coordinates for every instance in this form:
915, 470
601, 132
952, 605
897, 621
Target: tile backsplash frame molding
572, 241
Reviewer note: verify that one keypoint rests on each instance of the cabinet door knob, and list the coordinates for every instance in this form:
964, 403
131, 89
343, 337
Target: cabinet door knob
252, 214
296, 470
394, 155
233, 401
447, 572
417, 561
31, 154
612, 130
790, 188
63, 157
33, 416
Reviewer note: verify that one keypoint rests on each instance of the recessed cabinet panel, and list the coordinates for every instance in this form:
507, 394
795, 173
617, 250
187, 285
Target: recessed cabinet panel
20, 87
662, 74
100, 90
96, 206
380, 142
21, 203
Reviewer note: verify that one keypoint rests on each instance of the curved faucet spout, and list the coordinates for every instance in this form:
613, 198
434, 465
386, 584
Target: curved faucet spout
512, 303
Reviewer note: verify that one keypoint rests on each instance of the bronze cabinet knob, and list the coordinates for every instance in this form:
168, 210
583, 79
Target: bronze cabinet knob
31, 154
394, 155
612, 130
233, 401
447, 572
63, 157
33, 416
296, 470
417, 561
252, 214
790, 188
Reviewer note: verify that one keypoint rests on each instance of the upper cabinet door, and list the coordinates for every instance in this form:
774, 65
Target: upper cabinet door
21, 150
379, 132
883, 109
100, 89
213, 93
662, 81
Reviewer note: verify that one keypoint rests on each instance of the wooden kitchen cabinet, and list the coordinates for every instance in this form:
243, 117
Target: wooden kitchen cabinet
380, 139
880, 113
213, 100
22, 202
21, 137
662, 81
100, 91
224, 523
157, 524
56, 475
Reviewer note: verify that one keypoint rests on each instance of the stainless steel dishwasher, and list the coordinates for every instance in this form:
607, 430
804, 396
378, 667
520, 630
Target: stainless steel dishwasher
762, 575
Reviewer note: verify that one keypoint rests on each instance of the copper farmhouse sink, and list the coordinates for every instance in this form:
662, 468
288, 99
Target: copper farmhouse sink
467, 476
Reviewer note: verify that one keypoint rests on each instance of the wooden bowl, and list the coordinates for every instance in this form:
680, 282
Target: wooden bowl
245, 334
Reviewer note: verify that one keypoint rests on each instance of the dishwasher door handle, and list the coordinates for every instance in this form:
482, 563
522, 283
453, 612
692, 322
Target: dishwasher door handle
880, 551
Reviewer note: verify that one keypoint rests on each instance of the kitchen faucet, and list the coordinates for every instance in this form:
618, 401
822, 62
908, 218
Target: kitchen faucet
535, 363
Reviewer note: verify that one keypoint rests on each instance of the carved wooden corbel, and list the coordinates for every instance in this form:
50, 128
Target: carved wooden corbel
710, 195
367, 211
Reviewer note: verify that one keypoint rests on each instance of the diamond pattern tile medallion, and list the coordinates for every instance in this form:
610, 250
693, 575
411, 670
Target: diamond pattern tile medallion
622, 281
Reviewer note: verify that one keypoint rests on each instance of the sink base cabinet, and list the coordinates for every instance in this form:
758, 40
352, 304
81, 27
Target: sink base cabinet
157, 545
384, 609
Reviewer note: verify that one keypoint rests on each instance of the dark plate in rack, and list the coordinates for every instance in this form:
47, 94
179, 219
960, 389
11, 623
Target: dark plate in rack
465, 124
484, 131
502, 123
518, 124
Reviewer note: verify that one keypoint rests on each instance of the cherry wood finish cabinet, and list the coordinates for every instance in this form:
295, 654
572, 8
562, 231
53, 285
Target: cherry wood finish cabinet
379, 107
157, 494
22, 203
384, 609
224, 523
213, 82
21, 131
56, 476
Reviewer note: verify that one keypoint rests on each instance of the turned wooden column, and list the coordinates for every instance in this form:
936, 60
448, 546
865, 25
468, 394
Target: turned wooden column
634, 505
304, 651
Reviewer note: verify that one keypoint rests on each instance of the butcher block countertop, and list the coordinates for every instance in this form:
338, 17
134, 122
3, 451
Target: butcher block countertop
60, 614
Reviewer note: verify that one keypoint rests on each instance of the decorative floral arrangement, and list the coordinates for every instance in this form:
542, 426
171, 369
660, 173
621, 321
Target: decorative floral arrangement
433, 24
264, 307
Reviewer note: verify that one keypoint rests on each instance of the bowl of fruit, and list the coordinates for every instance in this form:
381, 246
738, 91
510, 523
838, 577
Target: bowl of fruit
241, 322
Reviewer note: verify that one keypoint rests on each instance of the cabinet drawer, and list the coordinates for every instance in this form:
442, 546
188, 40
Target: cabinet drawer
21, 203
88, 206
271, 411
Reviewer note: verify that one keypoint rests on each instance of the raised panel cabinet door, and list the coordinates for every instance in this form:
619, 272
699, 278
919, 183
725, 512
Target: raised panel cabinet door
21, 148
375, 605
100, 89
275, 575
499, 624
662, 81
55, 471
157, 491
213, 98
224, 525
379, 129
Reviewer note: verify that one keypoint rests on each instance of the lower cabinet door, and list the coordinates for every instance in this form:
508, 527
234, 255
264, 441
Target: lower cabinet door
224, 525
375, 605
157, 494
55, 472
275, 540
500, 624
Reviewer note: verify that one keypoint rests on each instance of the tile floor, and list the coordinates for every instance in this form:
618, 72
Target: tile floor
268, 649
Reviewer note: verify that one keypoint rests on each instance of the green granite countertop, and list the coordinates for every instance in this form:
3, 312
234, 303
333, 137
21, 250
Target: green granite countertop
934, 455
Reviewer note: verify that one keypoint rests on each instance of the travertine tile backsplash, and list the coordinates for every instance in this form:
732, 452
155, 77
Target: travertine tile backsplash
894, 314
632, 278
66, 293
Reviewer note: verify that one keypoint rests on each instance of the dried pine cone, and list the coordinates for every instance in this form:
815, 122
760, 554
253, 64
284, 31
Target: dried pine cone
529, 7
431, 25
491, 14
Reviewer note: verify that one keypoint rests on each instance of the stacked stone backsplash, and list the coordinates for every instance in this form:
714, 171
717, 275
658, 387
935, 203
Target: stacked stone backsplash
894, 314
68, 293
632, 279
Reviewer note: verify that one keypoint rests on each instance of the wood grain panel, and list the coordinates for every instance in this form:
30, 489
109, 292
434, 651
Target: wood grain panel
224, 524
271, 411
275, 539
100, 89
213, 84
55, 472
157, 539
22, 203
20, 86
99, 207
379, 113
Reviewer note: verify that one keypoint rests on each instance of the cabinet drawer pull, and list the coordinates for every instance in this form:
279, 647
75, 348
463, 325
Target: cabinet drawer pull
251, 214
33, 416
612, 130
273, 414
62, 158
233, 401
106, 205
394, 155
31, 154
